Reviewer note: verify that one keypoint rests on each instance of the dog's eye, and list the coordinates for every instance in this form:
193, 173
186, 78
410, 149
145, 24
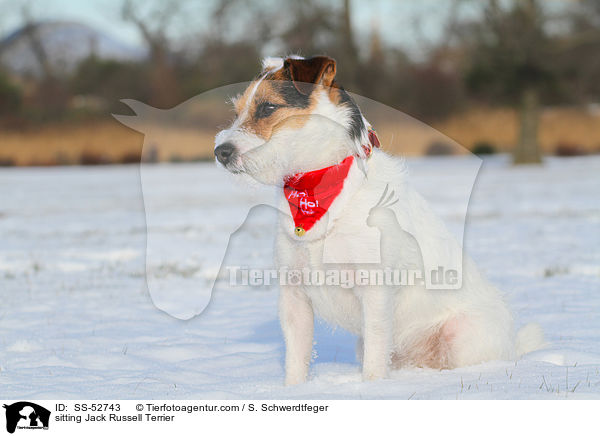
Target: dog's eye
265, 109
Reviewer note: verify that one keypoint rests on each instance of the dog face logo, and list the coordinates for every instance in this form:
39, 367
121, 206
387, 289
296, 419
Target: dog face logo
26, 415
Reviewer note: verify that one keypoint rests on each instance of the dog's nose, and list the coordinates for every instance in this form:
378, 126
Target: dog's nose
224, 152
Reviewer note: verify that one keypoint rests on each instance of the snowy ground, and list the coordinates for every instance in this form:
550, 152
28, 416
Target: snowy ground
76, 319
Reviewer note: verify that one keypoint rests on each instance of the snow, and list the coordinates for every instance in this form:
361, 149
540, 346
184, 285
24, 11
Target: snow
77, 320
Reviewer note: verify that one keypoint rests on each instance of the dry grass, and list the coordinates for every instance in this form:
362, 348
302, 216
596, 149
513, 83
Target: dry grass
500, 128
102, 142
109, 141
67, 144
573, 128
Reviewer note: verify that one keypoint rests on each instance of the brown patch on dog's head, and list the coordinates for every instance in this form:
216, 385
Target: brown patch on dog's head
285, 97
306, 73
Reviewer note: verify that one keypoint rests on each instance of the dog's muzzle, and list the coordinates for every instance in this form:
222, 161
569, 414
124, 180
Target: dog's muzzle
225, 153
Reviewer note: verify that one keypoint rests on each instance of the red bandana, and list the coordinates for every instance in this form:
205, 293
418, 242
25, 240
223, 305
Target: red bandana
310, 194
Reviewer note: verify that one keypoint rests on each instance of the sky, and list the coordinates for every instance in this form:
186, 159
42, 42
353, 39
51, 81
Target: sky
396, 20
410, 24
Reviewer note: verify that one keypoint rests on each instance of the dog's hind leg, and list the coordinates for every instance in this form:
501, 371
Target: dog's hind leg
434, 348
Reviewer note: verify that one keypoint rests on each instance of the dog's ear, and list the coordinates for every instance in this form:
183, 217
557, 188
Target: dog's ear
305, 73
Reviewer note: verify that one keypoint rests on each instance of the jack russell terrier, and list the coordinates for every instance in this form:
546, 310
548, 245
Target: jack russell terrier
348, 203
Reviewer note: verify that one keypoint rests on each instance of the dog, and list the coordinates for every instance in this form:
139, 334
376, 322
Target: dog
296, 128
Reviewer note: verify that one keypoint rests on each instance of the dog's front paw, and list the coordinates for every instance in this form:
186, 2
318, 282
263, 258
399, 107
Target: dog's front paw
294, 379
373, 373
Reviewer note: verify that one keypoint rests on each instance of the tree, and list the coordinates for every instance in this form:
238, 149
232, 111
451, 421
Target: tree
511, 61
578, 53
10, 96
50, 95
153, 24
110, 80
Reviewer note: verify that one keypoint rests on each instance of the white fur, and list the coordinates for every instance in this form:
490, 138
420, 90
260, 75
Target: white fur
395, 325
276, 63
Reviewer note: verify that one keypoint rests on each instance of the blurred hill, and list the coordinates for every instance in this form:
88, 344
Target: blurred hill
65, 44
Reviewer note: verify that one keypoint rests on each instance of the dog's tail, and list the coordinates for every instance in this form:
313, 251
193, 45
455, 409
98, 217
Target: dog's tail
529, 338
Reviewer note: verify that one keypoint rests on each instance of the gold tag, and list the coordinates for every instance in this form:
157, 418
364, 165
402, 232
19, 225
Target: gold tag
299, 231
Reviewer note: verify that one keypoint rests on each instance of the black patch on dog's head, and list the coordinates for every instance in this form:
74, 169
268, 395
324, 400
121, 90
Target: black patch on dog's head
289, 92
312, 71
357, 125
